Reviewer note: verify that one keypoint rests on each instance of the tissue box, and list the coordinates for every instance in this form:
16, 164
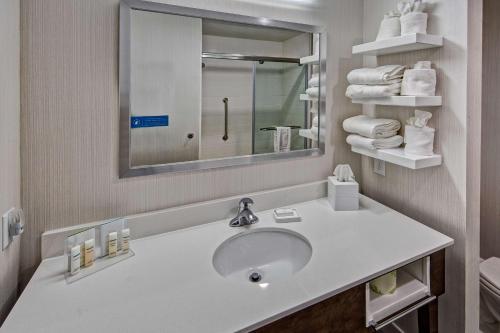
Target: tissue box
343, 195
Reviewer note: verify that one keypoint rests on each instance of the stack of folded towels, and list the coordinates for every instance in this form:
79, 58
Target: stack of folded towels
377, 82
372, 133
313, 91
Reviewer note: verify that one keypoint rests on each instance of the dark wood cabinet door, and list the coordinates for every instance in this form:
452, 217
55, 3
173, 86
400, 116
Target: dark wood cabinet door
340, 314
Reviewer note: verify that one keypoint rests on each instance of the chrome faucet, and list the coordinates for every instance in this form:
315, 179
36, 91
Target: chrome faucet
245, 215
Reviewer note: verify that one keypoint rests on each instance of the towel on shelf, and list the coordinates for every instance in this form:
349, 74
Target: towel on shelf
419, 81
314, 81
390, 26
364, 91
313, 92
373, 128
315, 121
367, 143
282, 139
382, 75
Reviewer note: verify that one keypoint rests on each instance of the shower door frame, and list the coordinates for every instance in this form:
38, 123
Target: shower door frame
125, 168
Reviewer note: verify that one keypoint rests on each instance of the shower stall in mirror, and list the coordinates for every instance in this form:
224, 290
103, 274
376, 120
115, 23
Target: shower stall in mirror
251, 98
251, 95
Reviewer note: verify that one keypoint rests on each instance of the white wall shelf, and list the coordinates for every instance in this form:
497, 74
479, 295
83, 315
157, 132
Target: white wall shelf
306, 133
410, 101
312, 59
400, 44
397, 156
306, 97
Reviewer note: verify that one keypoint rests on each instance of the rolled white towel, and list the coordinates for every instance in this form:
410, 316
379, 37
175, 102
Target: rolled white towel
419, 82
315, 121
364, 91
388, 74
373, 128
313, 92
367, 143
314, 81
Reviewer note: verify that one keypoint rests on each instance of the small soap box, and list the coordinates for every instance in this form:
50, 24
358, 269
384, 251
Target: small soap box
343, 196
286, 215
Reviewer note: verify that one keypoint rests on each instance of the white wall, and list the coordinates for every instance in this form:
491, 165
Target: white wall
70, 78
10, 183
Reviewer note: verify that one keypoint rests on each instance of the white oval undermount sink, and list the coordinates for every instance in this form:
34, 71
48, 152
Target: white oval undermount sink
262, 255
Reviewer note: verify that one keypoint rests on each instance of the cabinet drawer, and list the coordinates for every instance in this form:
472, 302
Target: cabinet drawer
413, 285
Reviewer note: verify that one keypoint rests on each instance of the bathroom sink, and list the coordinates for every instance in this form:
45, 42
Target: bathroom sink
262, 255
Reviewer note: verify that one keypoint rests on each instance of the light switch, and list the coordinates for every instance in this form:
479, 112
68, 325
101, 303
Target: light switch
379, 167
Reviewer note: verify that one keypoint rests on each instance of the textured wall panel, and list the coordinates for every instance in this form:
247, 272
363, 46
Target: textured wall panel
10, 169
434, 196
70, 117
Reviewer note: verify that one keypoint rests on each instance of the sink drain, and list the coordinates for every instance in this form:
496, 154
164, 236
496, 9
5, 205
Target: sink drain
255, 277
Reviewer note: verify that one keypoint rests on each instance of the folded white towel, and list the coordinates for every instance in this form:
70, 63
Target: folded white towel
371, 127
313, 92
314, 81
367, 143
419, 82
364, 91
388, 74
282, 139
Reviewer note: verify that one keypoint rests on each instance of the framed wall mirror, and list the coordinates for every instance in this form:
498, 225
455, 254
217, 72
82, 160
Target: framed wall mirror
202, 89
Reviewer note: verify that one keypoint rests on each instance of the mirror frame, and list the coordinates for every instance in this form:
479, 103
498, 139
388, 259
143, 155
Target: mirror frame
125, 169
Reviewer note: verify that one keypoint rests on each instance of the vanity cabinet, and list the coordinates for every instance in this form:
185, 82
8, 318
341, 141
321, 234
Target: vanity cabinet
352, 311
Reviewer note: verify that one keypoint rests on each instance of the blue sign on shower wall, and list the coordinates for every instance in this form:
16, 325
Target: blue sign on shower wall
148, 121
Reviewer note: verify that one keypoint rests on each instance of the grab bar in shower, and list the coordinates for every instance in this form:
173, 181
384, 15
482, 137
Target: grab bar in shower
226, 114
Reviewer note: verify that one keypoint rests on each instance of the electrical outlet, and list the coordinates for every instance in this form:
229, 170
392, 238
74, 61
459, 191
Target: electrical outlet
379, 167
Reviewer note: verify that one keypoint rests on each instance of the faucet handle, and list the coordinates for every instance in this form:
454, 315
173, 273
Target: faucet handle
246, 203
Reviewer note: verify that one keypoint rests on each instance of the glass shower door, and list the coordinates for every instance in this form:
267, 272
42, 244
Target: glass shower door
277, 87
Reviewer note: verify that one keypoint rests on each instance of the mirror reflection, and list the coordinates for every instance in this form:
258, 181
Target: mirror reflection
203, 89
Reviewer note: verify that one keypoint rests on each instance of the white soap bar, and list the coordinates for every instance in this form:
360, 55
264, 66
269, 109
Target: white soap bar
285, 215
284, 212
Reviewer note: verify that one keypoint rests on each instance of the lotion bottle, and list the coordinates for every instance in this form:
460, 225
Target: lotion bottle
125, 240
74, 259
112, 244
89, 252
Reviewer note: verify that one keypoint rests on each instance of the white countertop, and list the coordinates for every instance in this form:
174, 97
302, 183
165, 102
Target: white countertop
170, 284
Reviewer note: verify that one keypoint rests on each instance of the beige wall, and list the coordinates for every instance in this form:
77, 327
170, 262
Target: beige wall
70, 117
490, 191
436, 196
10, 183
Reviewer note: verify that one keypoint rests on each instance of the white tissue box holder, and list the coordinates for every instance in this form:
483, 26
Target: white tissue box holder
343, 196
